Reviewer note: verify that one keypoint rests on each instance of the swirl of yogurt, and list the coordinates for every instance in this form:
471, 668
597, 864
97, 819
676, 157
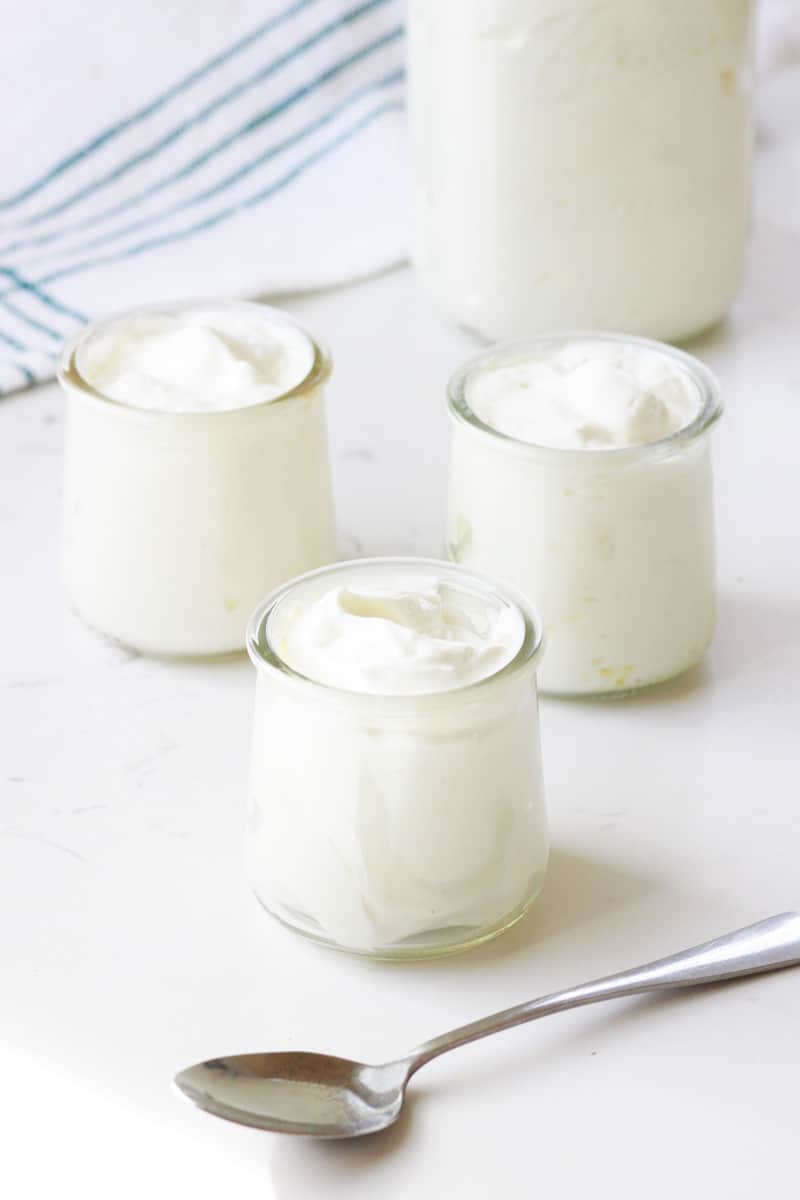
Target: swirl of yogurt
586, 396
196, 360
401, 640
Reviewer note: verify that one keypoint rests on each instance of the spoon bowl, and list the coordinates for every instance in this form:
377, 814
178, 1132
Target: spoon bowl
326, 1097
297, 1092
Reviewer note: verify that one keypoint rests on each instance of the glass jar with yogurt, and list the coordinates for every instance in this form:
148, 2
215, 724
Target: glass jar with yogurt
581, 165
196, 472
581, 473
396, 803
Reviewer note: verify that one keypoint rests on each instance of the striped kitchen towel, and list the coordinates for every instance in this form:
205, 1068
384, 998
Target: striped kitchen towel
196, 148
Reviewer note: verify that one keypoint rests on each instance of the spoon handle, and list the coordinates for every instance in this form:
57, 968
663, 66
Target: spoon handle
766, 946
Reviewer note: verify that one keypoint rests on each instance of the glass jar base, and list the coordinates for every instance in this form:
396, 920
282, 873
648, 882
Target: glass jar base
496, 325
145, 647
420, 946
620, 693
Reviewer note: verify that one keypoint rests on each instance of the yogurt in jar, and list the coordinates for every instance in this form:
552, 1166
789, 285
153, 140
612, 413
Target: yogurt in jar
196, 359
396, 794
581, 474
197, 473
581, 165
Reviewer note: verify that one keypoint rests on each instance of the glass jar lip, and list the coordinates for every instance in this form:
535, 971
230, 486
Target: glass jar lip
504, 353
265, 656
69, 375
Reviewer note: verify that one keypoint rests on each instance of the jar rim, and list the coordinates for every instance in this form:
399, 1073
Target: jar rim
505, 353
266, 657
70, 376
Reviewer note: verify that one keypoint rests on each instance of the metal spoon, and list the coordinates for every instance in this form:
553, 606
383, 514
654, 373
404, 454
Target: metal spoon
326, 1097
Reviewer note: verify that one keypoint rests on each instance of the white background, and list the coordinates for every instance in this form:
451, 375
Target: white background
130, 946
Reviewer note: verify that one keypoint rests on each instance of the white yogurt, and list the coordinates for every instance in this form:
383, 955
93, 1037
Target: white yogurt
591, 395
197, 473
581, 474
396, 793
390, 641
197, 359
581, 165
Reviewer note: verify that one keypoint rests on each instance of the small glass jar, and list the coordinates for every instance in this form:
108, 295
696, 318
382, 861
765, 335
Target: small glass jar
177, 523
615, 546
398, 826
581, 165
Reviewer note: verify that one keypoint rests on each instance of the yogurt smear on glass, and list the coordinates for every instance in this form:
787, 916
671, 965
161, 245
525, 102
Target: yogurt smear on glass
580, 473
396, 802
197, 473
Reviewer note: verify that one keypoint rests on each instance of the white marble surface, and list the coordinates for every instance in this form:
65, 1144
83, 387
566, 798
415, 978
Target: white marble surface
130, 946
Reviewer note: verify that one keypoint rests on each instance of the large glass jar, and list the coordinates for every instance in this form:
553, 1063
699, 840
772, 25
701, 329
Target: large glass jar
614, 546
176, 523
395, 825
581, 165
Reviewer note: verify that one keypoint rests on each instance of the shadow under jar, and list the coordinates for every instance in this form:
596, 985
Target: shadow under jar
178, 520
581, 165
393, 824
615, 545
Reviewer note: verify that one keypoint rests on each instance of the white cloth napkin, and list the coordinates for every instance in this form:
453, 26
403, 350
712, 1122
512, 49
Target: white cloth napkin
196, 148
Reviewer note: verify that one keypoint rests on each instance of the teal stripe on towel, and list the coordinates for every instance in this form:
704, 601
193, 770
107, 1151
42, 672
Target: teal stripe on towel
249, 127
242, 172
21, 315
8, 340
225, 214
142, 114
25, 285
176, 133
